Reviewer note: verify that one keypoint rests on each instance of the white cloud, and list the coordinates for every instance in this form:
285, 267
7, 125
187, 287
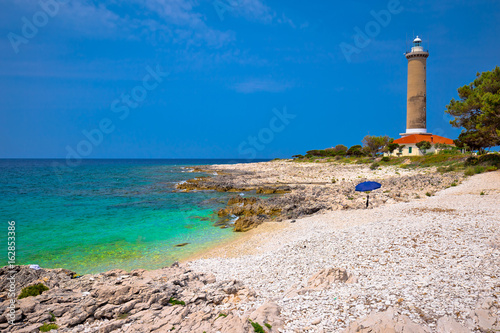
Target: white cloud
254, 10
162, 20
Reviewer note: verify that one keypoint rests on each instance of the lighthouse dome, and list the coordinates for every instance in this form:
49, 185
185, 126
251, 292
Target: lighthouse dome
417, 45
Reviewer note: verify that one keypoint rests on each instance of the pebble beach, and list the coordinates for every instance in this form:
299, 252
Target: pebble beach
425, 259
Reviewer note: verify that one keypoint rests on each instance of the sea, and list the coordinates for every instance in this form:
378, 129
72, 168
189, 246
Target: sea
106, 214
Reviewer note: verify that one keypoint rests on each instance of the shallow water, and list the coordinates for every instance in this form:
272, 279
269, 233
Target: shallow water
107, 214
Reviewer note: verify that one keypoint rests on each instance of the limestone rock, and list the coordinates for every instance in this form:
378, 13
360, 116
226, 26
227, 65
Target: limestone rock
385, 322
269, 313
324, 278
447, 324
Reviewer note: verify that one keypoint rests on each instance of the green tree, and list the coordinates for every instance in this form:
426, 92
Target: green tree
375, 144
423, 146
341, 148
391, 147
356, 150
478, 111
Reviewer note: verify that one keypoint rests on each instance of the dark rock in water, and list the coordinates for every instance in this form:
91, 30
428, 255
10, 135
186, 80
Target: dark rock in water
274, 190
181, 245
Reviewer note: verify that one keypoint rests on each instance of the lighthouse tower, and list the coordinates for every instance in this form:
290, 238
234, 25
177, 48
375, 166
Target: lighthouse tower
416, 118
416, 112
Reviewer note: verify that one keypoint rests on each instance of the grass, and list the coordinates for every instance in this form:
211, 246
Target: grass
52, 317
122, 316
34, 290
482, 193
474, 170
428, 194
222, 315
48, 327
257, 328
443, 169
173, 301
268, 325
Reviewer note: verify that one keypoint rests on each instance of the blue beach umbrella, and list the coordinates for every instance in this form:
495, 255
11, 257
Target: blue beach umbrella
366, 187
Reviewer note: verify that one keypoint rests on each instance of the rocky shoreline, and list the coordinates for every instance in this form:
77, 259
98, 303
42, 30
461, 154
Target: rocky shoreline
309, 188
170, 299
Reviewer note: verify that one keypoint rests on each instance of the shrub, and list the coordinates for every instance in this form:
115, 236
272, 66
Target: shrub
374, 166
322, 153
356, 150
34, 290
257, 328
443, 169
423, 146
471, 161
48, 327
428, 194
489, 159
341, 148
385, 159
52, 317
469, 172
173, 301
473, 170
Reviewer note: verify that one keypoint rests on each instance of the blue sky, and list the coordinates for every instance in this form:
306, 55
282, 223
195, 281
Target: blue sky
246, 78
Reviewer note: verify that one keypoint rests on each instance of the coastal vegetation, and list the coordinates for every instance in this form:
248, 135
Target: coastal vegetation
257, 328
478, 111
33, 290
173, 301
48, 327
447, 159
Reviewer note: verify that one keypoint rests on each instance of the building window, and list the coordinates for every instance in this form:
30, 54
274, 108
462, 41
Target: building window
409, 150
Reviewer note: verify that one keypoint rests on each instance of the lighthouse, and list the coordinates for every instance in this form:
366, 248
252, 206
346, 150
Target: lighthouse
416, 104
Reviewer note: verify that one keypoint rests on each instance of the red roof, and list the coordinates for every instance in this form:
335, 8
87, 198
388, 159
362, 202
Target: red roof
416, 138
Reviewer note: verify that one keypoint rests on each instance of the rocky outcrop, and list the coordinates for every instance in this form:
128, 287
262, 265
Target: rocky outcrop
386, 322
484, 318
324, 278
170, 299
294, 199
249, 212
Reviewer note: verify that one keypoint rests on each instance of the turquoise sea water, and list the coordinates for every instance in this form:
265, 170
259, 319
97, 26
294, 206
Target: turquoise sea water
106, 214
